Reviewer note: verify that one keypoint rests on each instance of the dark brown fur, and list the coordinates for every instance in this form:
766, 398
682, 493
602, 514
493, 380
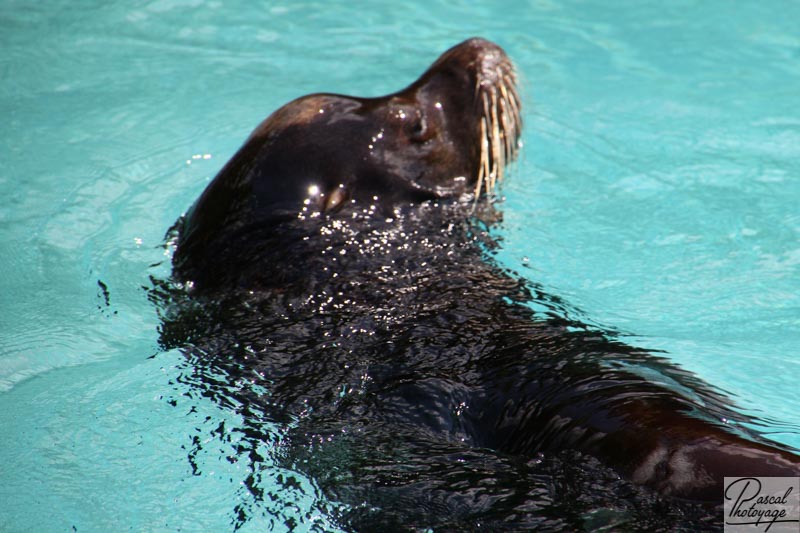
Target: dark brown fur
341, 215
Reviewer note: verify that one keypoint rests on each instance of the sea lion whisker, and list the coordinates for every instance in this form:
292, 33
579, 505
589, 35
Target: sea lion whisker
513, 130
515, 105
507, 129
489, 127
486, 156
499, 124
510, 82
479, 180
516, 121
497, 167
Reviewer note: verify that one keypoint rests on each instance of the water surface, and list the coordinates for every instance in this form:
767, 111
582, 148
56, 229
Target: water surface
657, 194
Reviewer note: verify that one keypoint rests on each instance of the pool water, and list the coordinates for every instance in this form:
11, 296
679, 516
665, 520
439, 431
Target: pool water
657, 194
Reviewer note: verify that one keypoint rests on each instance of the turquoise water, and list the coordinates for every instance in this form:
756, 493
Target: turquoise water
657, 194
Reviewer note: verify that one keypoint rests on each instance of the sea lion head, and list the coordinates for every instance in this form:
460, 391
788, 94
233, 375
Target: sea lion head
449, 133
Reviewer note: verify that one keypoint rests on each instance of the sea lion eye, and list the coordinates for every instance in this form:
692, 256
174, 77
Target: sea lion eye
335, 198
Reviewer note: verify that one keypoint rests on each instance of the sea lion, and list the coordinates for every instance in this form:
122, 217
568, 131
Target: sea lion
336, 277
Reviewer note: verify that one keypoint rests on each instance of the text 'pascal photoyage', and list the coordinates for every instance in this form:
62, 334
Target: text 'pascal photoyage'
764, 504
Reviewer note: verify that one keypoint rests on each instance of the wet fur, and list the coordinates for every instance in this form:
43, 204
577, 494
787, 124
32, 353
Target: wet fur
407, 367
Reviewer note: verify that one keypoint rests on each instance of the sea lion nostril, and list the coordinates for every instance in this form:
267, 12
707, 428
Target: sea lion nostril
418, 130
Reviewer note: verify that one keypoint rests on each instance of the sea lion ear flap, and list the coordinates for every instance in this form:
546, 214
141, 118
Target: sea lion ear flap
335, 199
